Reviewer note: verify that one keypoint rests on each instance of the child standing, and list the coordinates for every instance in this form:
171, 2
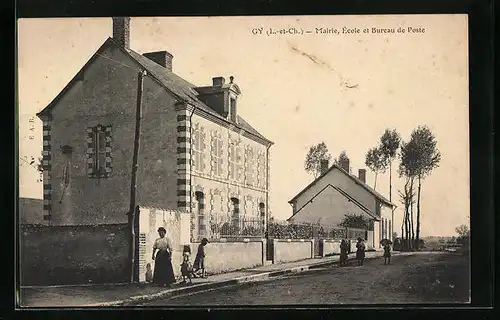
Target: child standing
199, 261
387, 254
186, 267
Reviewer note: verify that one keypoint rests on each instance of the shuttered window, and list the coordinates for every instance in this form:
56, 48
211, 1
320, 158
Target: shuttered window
99, 159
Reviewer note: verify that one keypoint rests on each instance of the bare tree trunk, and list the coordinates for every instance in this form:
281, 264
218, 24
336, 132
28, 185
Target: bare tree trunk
411, 216
390, 200
375, 184
418, 211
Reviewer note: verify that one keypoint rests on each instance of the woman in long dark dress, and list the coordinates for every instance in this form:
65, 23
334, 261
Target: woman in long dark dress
360, 252
164, 272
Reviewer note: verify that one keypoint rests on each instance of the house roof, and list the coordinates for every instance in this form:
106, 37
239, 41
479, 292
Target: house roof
178, 86
352, 177
346, 195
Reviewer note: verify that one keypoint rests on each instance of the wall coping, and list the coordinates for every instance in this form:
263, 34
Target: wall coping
232, 240
293, 240
44, 226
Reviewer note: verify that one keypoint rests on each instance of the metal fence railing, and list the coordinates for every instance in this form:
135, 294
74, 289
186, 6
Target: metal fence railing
238, 228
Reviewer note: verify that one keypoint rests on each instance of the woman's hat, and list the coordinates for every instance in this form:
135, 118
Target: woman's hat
161, 229
204, 240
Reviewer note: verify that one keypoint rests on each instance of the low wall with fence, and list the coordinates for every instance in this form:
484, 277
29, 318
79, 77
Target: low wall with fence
287, 250
73, 254
223, 255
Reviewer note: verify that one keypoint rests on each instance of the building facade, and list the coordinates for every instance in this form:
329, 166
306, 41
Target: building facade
127, 132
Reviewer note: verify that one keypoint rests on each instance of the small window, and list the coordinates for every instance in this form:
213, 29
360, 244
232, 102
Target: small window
99, 160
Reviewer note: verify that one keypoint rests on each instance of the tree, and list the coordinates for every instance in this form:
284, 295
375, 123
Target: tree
408, 168
316, 154
356, 221
342, 160
462, 230
389, 145
376, 162
427, 159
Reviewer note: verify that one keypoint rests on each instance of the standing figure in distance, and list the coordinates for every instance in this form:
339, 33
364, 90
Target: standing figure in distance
387, 254
344, 248
186, 267
360, 252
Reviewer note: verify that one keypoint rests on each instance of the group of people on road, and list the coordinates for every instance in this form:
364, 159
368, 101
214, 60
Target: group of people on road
360, 252
162, 255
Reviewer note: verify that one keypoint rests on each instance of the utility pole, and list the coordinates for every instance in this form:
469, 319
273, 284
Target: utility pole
135, 166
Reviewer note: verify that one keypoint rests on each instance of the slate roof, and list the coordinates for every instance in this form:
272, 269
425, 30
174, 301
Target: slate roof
178, 86
354, 178
346, 195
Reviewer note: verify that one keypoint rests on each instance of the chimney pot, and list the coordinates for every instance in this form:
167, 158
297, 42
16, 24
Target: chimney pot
362, 175
345, 165
218, 81
121, 31
162, 58
324, 166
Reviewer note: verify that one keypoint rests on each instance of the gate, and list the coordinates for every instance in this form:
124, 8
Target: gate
270, 249
318, 243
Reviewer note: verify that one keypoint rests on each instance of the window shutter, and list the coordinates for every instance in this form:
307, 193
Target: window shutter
109, 160
90, 152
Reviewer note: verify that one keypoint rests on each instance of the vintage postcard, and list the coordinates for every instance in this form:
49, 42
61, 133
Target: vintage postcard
209, 161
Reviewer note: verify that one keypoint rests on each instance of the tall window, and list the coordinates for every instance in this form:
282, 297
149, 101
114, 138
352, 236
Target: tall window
216, 154
235, 162
99, 162
235, 216
198, 147
200, 199
261, 170
250, 166
239, 164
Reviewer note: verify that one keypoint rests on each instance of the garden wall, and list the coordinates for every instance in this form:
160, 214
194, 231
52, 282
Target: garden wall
223, 256
330, 247
286, 250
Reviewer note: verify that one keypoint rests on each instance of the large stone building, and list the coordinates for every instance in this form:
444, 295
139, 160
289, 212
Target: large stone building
127, 132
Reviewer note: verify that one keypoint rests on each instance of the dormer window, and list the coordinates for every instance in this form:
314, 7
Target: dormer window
232, 103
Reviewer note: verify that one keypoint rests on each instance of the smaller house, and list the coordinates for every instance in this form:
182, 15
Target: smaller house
336, 193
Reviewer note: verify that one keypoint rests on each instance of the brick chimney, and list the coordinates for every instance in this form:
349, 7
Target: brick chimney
163, 58
218, 81
344, 164
362, 175
121, 31
324, 166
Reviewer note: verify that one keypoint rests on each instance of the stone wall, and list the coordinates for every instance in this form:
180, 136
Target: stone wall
73, 254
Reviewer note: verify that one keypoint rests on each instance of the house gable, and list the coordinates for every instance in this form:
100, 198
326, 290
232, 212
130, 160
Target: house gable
342, 180
329, 206
342, 175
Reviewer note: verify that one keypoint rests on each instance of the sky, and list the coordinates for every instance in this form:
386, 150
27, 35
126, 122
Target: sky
342, 88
